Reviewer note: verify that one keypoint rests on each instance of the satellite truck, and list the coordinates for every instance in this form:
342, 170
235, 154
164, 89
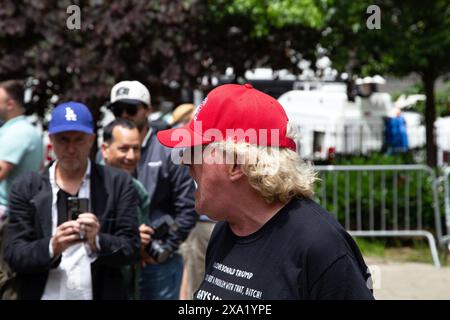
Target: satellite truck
331, 119
338, 116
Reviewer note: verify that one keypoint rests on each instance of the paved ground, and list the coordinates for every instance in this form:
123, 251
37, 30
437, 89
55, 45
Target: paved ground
409, 280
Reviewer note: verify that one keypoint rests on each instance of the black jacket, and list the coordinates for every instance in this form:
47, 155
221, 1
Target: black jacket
114, 201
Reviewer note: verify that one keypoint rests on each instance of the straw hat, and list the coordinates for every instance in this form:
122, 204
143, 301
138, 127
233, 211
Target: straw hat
182, 113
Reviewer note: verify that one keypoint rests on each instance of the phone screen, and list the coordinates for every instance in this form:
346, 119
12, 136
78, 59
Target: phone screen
76, 206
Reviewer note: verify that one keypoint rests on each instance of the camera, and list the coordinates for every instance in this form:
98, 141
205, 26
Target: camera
158, 248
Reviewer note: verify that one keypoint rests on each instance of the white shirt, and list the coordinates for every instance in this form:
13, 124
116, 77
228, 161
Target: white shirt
72, 279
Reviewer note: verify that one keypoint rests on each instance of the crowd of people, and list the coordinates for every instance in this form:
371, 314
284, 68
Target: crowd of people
231, 216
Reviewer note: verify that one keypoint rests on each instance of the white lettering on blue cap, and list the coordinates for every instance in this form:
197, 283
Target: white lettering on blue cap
70, 115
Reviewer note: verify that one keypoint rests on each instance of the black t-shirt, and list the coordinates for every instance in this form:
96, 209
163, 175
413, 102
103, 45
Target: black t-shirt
300, 253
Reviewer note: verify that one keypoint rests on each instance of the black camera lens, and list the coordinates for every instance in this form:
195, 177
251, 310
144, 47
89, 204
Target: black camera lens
159, 251
162, 226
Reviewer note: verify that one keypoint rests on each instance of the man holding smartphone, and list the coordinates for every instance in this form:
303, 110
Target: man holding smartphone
57, 257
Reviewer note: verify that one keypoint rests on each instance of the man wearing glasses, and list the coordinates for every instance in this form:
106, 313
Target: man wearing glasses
170, 188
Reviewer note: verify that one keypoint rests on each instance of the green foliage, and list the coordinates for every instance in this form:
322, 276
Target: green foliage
249, 34
375, 159
395, 249
168, 45
267, 14
376, 247
156, 42
414, 37
442, 99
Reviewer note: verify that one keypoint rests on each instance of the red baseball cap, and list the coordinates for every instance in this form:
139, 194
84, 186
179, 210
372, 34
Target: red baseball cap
239, 112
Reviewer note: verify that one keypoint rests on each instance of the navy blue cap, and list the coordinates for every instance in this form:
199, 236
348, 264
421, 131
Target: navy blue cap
71, 116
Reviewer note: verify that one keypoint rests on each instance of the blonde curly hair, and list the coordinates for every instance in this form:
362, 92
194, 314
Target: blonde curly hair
278, 174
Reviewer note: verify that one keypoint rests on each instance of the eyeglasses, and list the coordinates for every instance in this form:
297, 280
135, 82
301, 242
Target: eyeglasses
118, 109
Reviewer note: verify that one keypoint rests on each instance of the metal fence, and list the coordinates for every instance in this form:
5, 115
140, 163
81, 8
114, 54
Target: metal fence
383, 201
445, 240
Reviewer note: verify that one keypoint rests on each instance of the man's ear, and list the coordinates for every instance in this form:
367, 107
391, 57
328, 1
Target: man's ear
105, 150
235, 172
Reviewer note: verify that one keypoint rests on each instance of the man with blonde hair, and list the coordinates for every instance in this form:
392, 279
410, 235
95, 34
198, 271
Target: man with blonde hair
272, 240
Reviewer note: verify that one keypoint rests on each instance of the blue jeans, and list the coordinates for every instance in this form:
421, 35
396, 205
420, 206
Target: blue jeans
162, 281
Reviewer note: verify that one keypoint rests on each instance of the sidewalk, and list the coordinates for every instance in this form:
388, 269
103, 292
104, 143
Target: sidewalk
409, 280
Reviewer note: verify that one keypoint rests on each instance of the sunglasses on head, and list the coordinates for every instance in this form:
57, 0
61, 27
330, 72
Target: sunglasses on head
119, 108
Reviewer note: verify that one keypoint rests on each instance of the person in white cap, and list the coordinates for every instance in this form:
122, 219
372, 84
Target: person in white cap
170, 189
131, 100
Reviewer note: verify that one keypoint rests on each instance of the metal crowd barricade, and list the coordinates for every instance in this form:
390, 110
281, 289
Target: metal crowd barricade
383, 200
446, 180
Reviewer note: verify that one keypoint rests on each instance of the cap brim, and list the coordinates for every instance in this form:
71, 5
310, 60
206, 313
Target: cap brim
65, 128
181, 138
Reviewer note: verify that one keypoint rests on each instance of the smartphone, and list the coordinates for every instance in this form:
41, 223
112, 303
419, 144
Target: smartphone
76, 206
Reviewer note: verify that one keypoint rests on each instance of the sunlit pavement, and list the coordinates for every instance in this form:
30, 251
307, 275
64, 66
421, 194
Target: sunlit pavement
408, 280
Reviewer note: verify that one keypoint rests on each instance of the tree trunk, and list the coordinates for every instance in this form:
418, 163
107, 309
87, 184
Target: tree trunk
430, 116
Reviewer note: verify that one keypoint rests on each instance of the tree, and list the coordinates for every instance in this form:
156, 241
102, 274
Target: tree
128, 39
255, 33
414, 38
166, 44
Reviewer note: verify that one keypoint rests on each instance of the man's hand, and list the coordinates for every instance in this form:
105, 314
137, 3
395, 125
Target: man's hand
89, 228
145, 233
67, 234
